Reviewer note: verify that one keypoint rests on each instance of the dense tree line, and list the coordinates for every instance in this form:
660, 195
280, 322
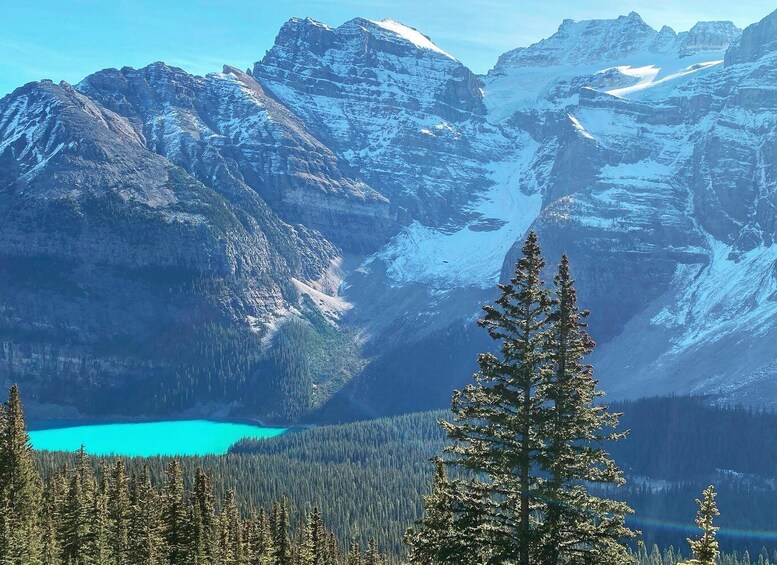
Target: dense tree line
671, 556
76, 516
368, 478
398, 447
693, 438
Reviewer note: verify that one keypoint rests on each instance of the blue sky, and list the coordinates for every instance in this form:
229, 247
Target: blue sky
68, 39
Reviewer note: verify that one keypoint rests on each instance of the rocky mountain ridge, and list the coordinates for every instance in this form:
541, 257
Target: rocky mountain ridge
363, 186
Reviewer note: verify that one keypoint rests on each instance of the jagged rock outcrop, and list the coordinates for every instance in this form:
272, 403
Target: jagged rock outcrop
757, 40
708, 36
224, 126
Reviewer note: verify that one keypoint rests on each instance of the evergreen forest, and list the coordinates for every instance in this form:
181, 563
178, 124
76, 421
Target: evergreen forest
529, 466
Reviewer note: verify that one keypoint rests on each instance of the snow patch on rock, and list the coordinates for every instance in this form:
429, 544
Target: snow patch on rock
412, 35
471, 255
734, 290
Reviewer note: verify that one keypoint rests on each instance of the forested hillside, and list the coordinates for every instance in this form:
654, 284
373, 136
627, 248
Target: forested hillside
368, 477
74, 515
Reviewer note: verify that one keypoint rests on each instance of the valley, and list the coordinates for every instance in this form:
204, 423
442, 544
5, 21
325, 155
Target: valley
333, 308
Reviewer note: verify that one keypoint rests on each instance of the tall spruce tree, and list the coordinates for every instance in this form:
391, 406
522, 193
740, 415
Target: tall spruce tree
145, 540
373, 556
118, 515
51, 548
314, 549
577, 526
75, 522
354, 556
527, 439
430, 543
99, 539
495, 429
74, 516
263, 546
282, 550
21, 503
231, 531
203, 517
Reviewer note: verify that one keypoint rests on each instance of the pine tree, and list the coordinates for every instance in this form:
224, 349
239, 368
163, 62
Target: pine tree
355, 554
203, 517
528, 440
373, 556
76, 526
331, 554
577, 526
21, 504
145, 545
429, 545
99, 543
316, 541
705, 549
280, 530
118, 515
263, 547
231, 531
495, 424
51, 548
175, 531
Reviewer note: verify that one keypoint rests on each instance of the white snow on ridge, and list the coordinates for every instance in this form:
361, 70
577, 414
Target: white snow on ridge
520, 88
474, 254
579, 127
648, 77
413, 36
733, 291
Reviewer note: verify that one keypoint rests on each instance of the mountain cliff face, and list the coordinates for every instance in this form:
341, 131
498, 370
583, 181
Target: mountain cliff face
671, 229
334, 217
113, 257
397, 107
225, 125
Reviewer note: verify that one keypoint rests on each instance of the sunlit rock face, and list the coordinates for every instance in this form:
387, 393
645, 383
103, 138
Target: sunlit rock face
225, 126
403, 112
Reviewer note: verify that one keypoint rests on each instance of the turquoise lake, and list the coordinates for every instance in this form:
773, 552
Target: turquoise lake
146, 439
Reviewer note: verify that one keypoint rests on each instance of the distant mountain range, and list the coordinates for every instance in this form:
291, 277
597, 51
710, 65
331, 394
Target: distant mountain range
320, 230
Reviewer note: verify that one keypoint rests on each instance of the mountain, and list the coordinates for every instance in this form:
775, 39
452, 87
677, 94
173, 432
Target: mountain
319, 231
114, 258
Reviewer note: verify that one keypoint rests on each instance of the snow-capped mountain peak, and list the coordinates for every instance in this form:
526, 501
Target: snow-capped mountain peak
622, 56
632, 149
707, 37
577, 43
411, 35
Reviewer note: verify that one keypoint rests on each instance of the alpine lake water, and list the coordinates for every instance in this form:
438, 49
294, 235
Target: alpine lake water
146, 439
